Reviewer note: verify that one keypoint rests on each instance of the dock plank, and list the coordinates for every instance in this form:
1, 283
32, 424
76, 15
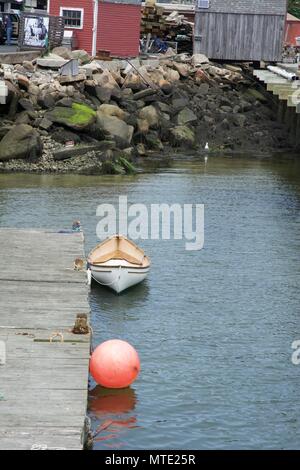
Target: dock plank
43, 384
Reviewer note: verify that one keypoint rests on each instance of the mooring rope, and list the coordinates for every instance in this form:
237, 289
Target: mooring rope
109, 283
56, 334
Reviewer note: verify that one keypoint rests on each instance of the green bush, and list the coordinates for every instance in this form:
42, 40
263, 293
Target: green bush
294, 7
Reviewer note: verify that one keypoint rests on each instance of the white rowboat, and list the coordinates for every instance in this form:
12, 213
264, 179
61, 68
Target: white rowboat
118, 263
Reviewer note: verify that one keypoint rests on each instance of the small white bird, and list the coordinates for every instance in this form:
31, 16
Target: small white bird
206, 150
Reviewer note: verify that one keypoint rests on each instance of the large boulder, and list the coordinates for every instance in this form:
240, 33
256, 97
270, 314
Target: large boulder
113, 110
116, 74
63, 52
182, 69
33, 90
22, 141
153, 141
182, 136
78, 116
4, 129
171, 75
23, 82
135, 82
154, 75
82, 56
13, 90
46, 100
179, 103
65, 102
62, 136
203, 89
151, 115
143, 126
199, 59
186, 116
115, 128
26, 104
103, 94
200, 76
165, 86
163, 107
51, 61
29, 66
239, 120
106, 79
22, 118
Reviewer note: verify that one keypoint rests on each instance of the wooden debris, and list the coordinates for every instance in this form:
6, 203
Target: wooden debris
65, 79
159, 23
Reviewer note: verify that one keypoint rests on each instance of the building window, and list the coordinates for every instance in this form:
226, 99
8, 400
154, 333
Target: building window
203, 3
73, 17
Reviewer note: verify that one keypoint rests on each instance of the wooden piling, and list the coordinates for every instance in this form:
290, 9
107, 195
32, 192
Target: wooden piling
287, 94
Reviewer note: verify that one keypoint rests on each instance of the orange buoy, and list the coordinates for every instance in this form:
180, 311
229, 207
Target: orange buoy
115, 364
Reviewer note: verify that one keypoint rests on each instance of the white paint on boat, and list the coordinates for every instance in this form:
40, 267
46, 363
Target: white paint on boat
118, 278
118, 263
89, 277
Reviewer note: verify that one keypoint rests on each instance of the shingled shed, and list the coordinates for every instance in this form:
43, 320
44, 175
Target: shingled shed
250, 30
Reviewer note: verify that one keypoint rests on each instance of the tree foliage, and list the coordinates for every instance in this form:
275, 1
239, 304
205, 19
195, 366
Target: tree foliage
294, 7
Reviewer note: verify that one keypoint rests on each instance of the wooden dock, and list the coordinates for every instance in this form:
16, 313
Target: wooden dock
287, 95
43, 384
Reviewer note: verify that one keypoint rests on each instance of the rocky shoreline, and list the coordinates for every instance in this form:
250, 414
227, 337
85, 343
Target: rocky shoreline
109, 114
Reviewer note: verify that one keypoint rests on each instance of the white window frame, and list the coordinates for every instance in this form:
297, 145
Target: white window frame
207, 5
73, 9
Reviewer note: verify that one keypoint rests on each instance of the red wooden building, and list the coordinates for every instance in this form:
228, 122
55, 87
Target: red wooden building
111, 25
292, 30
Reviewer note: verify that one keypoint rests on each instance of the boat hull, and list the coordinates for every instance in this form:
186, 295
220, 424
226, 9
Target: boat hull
118, 278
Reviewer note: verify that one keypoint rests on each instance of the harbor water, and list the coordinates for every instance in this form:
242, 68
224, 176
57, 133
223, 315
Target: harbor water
213, 328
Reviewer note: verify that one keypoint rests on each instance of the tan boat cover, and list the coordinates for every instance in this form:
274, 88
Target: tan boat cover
118, 247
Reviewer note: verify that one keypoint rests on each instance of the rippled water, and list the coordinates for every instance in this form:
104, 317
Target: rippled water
213, 328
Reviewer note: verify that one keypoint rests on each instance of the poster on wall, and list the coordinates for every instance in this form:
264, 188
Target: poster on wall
36, 31
40, 31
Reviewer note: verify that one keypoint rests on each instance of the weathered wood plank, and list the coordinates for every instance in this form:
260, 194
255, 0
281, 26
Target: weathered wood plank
43, 384
54, 255
57, 438
39, 306
228, 35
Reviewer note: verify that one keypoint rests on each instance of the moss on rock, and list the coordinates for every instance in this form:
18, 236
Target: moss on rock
79, 116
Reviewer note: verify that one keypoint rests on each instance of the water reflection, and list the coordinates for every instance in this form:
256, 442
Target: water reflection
106, 299
109, 410
103, 401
